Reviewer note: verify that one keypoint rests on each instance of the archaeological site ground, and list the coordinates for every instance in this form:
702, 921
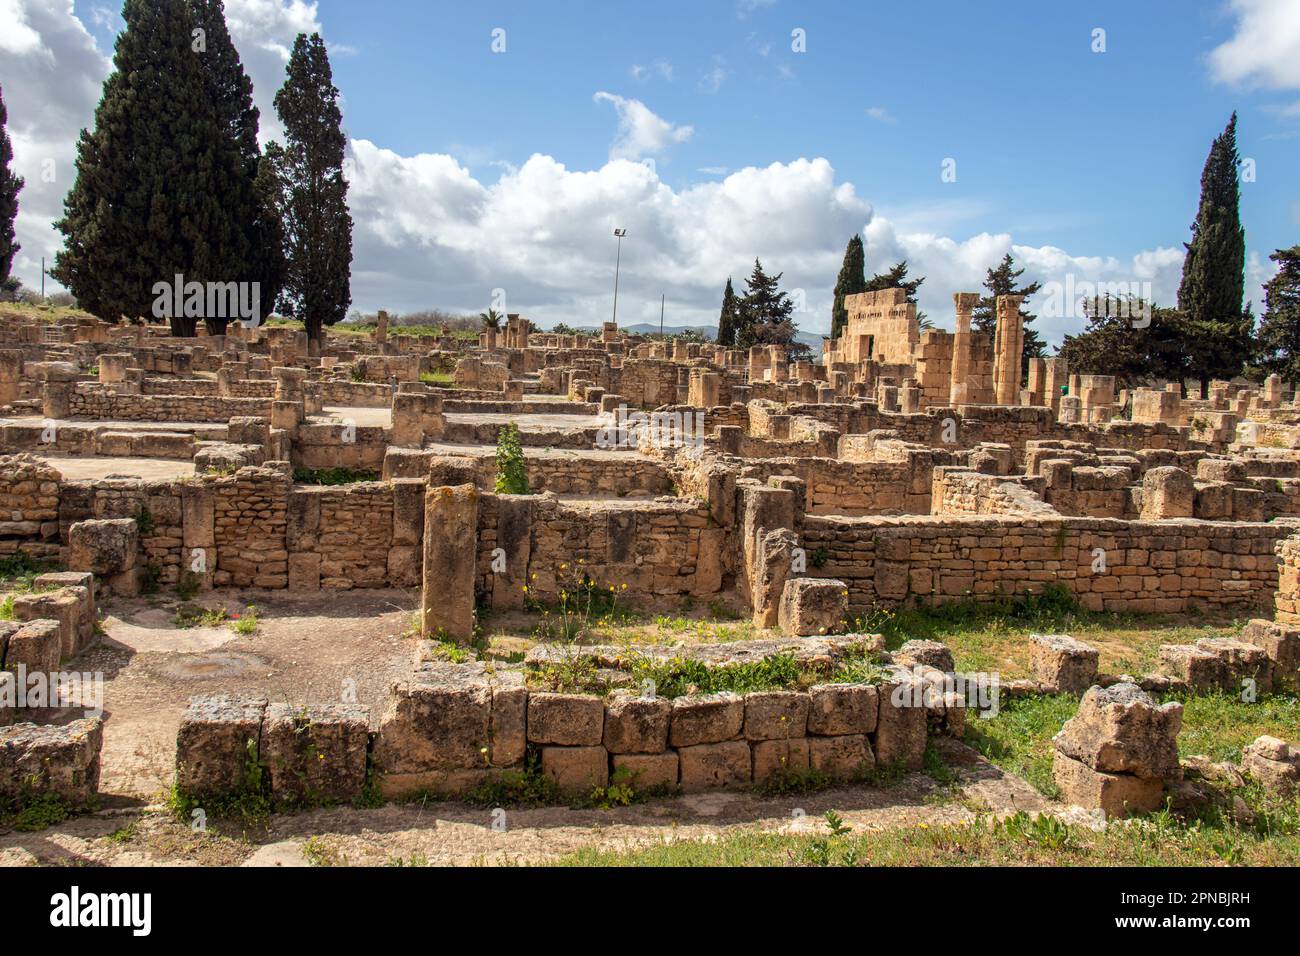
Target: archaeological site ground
347, 524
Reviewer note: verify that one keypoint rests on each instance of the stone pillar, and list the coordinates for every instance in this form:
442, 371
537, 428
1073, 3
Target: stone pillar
11, 374
1273, 390
1167, 492
450, 562
964, 303
1008, 346
112, 368
408, 421
381, 329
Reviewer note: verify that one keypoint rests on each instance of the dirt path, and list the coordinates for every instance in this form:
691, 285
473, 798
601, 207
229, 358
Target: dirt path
457, 834
305, 650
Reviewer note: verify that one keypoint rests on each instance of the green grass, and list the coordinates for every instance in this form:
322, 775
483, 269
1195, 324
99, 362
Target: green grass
1020, 840
991, 636
440, 379
333, 476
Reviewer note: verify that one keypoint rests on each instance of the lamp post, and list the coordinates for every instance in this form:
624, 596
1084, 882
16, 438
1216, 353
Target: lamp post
618, 261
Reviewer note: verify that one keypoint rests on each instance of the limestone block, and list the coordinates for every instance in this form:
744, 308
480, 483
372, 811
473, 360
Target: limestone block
921, 653
105, 547
438, 720
841, 758
706, 719
315, 754
813, 606
1057, 659
1121, 730
636, 724
218, 738
576, 770
57, 759
1117, 795
775, 715
1167, 492
777, 758
1272, 762
901, 725
574, 720
649, 771
709, 766
836, 709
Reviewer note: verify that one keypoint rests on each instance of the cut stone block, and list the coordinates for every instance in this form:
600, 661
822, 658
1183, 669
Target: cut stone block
571, 720
105, 547
53, 580
813, 606
439, 720
706, 719
836, 709
35, 645
1068, 665
1218, 664
217, 743
925, 654
635, 724
1274, 763
317, 754
841, 758
649, 771
1120, 730
709, 766
576, 770
1282, 645
509, 730
1117, 795
775, 758
900, 726
52, 759
66, 606
776, 715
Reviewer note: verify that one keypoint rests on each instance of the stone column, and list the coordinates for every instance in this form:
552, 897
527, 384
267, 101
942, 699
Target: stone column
381, 329
1008, 346
408, 420
964, 303
11, 374
450, 562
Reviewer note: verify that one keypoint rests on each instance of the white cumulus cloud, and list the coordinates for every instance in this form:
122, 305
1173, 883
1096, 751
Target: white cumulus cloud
1265, 49
641, 132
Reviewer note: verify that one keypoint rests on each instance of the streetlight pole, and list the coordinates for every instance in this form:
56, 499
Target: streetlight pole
618, 261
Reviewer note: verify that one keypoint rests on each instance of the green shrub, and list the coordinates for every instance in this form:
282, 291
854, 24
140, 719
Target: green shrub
512, 472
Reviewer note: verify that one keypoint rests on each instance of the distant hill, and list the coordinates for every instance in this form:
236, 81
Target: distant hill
810, 339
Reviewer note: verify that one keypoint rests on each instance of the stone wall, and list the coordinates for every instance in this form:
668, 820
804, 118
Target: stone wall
1149, 567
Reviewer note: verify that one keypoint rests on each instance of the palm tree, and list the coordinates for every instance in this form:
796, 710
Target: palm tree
491, 319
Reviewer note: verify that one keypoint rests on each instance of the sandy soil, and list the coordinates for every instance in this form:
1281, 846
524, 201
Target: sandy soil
97, 467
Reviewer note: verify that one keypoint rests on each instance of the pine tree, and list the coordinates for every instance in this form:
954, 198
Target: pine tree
1112, 344
1213, 283
10, 184
895, 278
162, 185
852, 280
318, 226
1279, 330
763, 312
727, 317
1002, 281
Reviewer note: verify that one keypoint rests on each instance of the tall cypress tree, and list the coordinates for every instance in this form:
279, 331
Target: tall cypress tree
155, 176
852, 280
1003, 280
254, 237
10, 184
727, 317
1213, 284
318, 227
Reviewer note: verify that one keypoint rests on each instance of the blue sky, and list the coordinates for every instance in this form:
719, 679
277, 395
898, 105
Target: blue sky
699, 128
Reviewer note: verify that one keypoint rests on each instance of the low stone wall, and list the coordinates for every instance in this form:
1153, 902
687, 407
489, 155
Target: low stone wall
451, 727
1109, 564
564, 474
98, 402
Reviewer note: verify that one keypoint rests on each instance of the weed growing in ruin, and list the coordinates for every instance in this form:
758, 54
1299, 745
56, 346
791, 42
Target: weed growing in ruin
789, 781
245, 624
187, 585
512, 470
192, 615
144, 522
250, 805
333, 476
1041, 830
619, 793
517, 788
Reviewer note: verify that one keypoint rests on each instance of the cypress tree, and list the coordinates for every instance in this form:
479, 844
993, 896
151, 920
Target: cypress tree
155, 177
727, 318
10, 184
1213, 283
852, 280
318, 227
254, 236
